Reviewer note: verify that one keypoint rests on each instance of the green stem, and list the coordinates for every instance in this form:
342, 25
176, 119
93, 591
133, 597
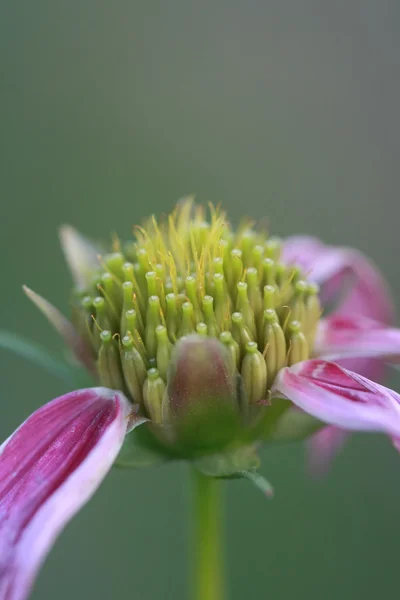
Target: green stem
207, 555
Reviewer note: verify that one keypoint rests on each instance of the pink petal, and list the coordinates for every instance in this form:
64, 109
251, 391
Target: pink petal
340, 397
343, 271
322, 448
49, 468
343, 337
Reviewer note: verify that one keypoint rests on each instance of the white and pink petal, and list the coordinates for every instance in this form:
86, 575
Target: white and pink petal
340, 397
49, 468
354, 336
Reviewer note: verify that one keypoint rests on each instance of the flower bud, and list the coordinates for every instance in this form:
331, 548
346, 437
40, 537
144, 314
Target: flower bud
244, 307
201, 391
298, 347
152, 321
133, 368
274, 344
254, 374
153, 394
108, 363
164, 348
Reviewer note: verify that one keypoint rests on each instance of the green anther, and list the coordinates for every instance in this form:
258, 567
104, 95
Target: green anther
168, 287
160, 271
108, 362
153, 319
128, 272
221, 300
102, 320
246, 245
240, 333
191, 292
111, 290
254, 292
281, 274
298, 310
200, 232
164, 348
129, 275
254, 374
223, 248
284, 284
233, 348
130, 251
209, 284
151, 283
209, 316
153, 394
127, 290
268, 271
243, 305
140, 314
257, 255
234, 270
133, 368
87, 303
273, 248
143, 262
297, 344
274, 343
270, 298
270, 316
312, 313
172, 317
115, 264
202, 329
218, 265
131, 322
139, 275
188, 319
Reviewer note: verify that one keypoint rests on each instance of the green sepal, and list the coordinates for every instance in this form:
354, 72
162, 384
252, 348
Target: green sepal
141, 449
292, 425
233, 464
260, 482
280, 421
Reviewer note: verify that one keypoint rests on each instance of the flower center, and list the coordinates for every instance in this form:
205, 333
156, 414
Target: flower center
192, 273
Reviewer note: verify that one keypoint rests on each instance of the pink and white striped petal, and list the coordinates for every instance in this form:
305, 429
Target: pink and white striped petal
343, 337
49, 468
344, 274
340, 397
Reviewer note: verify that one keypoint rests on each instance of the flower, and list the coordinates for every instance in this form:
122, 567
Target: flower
215, 341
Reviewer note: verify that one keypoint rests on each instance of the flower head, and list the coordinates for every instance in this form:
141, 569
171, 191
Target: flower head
215, 339
196, 313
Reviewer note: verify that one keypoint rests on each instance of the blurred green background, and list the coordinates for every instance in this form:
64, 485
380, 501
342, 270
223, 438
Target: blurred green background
285, 109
